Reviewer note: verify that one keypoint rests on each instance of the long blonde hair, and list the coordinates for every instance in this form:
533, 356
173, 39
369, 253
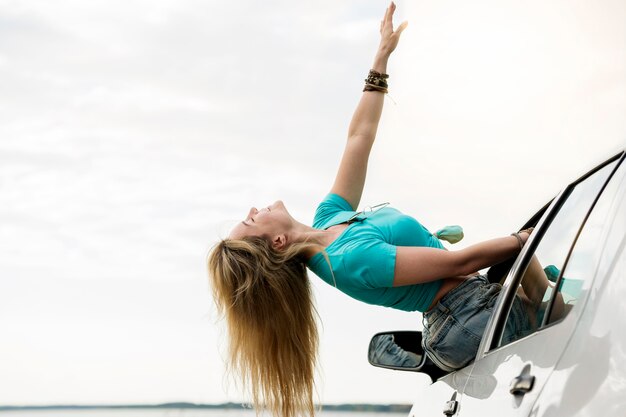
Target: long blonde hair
266, 299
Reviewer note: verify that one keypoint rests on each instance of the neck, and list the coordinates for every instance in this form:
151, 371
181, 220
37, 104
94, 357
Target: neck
301, 233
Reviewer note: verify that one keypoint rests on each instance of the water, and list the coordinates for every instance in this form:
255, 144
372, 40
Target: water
175, 413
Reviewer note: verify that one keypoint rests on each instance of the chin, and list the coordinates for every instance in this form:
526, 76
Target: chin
279, 206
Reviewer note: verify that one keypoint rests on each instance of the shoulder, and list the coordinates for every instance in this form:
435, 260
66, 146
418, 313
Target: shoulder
330, 205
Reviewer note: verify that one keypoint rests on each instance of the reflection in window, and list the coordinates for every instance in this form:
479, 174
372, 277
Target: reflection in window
581, 265
544, 269
385, 350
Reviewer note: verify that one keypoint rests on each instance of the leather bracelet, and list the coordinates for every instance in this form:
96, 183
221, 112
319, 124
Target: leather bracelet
371, 87
519, 239
376, 79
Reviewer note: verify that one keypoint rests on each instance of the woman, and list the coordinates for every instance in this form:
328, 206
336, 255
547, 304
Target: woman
381, 257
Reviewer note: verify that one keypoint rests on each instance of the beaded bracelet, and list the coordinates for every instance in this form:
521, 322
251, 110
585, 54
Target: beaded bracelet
374, 73
376, 81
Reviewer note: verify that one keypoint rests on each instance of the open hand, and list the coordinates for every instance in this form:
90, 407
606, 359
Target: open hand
388, 37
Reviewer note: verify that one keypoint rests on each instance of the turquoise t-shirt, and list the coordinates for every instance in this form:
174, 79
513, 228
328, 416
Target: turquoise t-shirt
363, 257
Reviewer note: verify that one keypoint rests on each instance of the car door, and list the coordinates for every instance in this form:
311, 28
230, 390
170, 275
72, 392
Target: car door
588, 379
507, 376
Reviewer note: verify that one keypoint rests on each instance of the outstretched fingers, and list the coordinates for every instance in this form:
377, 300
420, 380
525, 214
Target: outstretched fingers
402, 26
388, 37
386, 25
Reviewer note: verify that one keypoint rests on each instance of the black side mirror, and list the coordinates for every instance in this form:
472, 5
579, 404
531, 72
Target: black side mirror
402, 351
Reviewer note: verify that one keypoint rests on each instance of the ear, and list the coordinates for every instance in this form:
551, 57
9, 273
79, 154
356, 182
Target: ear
279, 242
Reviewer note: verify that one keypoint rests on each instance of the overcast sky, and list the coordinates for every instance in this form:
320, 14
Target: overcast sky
134, 134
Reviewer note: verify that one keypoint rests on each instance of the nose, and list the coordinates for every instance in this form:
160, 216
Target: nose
252, 211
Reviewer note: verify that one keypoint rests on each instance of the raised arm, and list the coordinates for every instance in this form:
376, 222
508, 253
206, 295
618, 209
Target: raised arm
350, 178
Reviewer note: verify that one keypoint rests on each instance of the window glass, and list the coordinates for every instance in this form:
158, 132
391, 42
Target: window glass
542, 272
581, 266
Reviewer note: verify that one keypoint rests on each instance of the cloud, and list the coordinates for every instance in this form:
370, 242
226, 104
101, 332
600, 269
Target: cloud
132, 133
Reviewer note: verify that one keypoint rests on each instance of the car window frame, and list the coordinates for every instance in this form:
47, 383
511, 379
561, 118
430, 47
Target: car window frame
495, 326
545, 324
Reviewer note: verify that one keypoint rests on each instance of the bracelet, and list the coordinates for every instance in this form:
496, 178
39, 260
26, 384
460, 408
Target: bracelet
372, 87
376, 81
378, 74
519, 240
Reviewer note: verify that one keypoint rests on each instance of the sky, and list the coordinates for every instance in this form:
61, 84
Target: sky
135, 134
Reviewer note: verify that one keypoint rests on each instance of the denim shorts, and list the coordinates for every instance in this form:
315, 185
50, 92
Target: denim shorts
454, 327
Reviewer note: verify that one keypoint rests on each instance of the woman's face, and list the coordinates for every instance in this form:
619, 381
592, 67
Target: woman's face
265, 222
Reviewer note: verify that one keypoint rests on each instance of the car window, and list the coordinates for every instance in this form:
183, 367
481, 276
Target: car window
543, 271
576, 278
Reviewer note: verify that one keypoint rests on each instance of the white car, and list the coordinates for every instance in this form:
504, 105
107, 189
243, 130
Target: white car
574, 363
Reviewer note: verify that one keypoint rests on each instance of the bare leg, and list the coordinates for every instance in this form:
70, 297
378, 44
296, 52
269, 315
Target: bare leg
535, 284
535, 281
531, 310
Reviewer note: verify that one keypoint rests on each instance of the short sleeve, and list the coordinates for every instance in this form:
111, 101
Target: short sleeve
371, 264
328, 208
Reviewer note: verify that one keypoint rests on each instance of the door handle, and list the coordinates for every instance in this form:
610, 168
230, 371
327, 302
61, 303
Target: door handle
451, 406
522, 383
